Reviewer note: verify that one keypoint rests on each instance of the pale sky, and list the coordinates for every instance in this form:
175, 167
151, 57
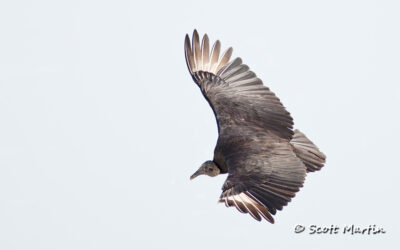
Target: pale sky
101, 124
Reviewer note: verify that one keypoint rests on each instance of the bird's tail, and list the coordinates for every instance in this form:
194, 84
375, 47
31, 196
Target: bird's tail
307, 152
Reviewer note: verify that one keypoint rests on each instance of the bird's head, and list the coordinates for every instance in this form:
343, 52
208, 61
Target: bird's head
209, 168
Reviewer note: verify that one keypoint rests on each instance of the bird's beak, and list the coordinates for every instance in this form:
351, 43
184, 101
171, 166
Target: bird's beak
197, 173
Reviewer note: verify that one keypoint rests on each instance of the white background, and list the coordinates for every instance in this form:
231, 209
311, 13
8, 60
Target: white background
101, 125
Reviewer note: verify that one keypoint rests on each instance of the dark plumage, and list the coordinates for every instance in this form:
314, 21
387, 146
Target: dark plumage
265, 159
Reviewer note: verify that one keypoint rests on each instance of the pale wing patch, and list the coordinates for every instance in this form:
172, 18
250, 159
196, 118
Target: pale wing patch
198, 56
245, 202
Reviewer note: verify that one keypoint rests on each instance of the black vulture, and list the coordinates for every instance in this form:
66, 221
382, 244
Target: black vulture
266, 160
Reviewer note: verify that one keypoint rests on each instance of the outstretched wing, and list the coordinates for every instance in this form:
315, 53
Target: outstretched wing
263, 176
237, 97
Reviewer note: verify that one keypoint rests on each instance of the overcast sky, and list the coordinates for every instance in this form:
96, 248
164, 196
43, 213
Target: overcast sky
101, 125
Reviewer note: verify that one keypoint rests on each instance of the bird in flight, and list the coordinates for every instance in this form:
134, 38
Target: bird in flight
265, 159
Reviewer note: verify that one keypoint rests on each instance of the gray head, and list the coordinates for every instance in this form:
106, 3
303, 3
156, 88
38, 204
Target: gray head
209, 168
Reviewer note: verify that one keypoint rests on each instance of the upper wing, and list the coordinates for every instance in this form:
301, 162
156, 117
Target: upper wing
237, 97
263, 177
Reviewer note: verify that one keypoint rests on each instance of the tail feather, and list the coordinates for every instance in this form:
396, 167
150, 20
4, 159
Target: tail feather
304, 149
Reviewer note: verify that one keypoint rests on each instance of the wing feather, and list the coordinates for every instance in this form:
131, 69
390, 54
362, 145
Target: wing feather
189, 55
224, 60
214, 57
249, 207
205, 53
196, 51
231, 68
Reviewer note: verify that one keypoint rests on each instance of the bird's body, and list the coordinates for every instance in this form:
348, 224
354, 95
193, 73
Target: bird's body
265, 159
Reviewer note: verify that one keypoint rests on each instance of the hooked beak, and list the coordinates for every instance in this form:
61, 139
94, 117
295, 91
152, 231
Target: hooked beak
197, 173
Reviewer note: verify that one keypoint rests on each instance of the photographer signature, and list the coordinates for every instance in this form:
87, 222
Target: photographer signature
334, 229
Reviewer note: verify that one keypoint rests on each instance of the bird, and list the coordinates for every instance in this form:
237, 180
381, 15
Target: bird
265, 158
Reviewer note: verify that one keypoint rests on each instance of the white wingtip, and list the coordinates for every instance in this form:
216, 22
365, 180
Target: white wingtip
199, 58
